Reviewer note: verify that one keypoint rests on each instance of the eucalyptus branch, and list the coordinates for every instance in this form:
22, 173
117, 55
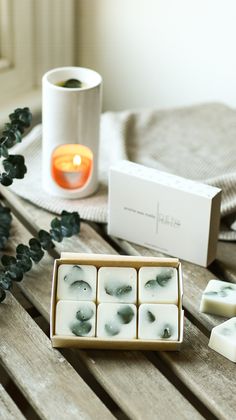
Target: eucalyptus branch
5, 225
14, 268
14, 165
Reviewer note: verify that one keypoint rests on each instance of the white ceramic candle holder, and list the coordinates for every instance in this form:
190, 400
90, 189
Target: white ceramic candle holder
71, 120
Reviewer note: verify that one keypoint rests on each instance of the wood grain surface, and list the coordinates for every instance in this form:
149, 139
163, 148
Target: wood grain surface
209, 377
48, 381
122, 387
8, 409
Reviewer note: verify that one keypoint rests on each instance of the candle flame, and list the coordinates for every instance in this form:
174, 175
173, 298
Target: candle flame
77, 160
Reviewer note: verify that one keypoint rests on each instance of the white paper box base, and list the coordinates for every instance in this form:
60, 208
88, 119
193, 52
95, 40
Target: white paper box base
102, 260
161, 211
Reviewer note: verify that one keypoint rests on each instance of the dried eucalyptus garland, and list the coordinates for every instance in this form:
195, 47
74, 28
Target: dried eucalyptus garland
5, 225
14, 165
14, 268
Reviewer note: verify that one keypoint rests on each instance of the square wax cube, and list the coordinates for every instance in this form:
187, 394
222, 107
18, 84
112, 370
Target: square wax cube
75, 318
223, 339
117, 284
158, 284
158, 321
76, 282
116, 320
219, 298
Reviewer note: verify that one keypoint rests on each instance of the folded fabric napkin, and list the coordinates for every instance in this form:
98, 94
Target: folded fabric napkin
196, 142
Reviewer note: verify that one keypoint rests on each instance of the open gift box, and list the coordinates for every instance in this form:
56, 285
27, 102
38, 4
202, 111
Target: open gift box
99, 261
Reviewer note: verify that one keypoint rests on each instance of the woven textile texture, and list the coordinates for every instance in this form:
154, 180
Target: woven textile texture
196, 142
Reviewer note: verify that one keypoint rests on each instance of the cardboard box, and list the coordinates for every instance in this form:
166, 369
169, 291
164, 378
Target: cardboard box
164, 212
109, 343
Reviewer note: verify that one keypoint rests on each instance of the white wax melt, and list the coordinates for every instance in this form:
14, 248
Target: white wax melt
158, 322
117, 284
158, 284
223, 339
219, 298
75, 318
116, 320
76, 282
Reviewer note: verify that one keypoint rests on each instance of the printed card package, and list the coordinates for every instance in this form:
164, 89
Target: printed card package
158, 210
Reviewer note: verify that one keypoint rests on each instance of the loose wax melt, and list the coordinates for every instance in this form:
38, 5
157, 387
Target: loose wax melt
117, 284
158, 322
115, 320
223, 339
75, 318
77, 282
158, 284
219, 298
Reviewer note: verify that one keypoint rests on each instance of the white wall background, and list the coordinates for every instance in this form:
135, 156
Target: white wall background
159, 53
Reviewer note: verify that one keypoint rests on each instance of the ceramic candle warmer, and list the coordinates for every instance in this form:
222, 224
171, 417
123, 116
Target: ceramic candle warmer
71, 119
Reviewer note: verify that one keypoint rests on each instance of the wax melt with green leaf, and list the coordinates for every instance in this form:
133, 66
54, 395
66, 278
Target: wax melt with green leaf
71, 84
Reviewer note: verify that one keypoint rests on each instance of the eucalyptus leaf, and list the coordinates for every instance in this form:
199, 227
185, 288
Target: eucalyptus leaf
8, 136
25, 263
5, 216
222, 293
2, 295
5, 179
166, 332
56, 234
22, 251
125, 314
74, 274
226, 331
150, 316
45, 240
4, 151
151, 284
72, 83
15, 272
55, 223
81, 328
112, 328
164, 277
81, 287
8, 260
118, 291
212, 293
21, 118
5, 281
85, 313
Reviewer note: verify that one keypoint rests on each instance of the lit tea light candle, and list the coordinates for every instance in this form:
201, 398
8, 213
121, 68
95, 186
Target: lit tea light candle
71, 165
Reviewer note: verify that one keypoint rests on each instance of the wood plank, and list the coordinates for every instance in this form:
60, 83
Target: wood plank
226, 260
209, 375
138, 382
8, 409
125, 370
47, 380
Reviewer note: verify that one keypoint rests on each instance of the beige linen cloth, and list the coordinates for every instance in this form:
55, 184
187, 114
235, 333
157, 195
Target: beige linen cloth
196, 142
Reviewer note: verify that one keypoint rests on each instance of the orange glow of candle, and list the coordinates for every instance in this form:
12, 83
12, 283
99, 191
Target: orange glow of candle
71, 165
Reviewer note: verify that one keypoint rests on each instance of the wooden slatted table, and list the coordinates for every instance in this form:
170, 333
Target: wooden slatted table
41, 382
